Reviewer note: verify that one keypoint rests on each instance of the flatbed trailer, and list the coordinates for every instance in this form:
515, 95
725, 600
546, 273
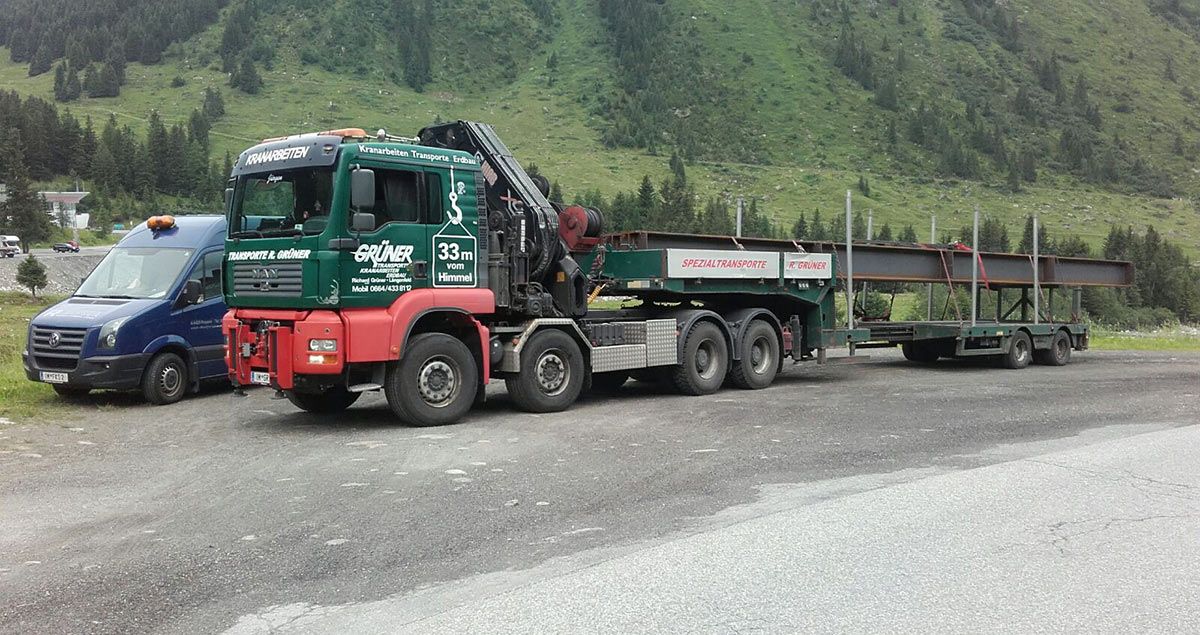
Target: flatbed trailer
427, 267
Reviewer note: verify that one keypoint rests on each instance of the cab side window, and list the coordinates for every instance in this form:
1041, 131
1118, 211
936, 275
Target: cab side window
398, 197
208, 272
433, 189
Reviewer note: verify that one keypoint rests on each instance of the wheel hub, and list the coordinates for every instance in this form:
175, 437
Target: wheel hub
169, 380
437, 382
760, 356
552, 372
705, 356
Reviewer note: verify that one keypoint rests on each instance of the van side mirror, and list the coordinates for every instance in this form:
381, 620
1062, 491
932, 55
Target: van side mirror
362, 189
193, 293
228, 198
362, 222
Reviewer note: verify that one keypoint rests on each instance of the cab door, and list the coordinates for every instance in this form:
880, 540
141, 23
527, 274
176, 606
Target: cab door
394, 257
200, 323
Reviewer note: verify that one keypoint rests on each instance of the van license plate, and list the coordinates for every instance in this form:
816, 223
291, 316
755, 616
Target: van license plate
256, 377
54, 378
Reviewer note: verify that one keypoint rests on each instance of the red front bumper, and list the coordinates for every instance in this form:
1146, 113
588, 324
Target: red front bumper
271, 347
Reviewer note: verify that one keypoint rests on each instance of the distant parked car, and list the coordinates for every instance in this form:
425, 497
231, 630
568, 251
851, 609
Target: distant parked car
70, 246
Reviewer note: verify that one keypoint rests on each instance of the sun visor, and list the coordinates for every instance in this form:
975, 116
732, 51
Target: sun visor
289, 154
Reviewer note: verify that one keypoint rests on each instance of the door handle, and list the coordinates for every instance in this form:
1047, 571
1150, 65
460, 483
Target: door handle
420, 269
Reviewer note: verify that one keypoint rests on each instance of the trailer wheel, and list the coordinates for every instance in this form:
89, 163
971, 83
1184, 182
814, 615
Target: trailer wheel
1059, 353
760, 357
434, 383
705, 361
919, 352
335, 399
1020, 352
165, 379
609, 382
551, 376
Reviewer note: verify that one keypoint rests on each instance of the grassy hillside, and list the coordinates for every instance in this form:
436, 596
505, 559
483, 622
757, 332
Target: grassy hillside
756, 92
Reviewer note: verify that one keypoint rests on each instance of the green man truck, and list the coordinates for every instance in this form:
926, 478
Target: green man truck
427, 267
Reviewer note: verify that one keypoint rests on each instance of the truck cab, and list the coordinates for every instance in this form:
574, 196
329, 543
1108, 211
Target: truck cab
147, 318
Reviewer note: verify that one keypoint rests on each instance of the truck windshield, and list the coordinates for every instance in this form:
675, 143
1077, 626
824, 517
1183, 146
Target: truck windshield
135, 272
288, 202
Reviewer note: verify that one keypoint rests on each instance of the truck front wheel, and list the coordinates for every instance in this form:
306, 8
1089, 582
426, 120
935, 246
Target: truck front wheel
335, 399
705, 361
165, 380
434, 383
551, 375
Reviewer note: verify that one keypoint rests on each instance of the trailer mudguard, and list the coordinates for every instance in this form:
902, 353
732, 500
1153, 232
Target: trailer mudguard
686, 318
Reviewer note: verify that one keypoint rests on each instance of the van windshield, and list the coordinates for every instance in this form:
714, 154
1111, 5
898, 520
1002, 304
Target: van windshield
135, 272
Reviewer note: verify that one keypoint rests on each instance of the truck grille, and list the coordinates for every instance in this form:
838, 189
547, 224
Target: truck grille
277, 280
57, 348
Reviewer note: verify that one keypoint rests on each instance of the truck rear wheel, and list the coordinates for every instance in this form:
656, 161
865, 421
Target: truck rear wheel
705, 361
551, 375
434, 383
920, 352
1020, 352
335, 399
165, 380
1059, 353
760, 357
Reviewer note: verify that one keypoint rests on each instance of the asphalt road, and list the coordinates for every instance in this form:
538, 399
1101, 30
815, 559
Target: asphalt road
878, 496
83, 251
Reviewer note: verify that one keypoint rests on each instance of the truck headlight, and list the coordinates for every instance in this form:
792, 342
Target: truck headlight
108, 333
322, 346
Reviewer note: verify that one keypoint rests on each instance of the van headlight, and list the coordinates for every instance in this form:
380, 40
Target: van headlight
108, 333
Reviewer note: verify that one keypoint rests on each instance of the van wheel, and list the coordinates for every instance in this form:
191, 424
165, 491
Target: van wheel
760, 357
705, 361
1020, 352
1059, 353
70, 392
434, 383
335, 399
165, 380
551, 375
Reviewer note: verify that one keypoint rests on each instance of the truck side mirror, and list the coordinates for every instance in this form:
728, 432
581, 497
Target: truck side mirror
228, 198
193, 293
362, 222
362, 189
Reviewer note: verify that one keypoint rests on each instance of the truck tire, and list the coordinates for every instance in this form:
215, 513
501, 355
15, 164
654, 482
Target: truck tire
920, 352
434, 383
551, 375
70, 392
1059, 353
1020, 352
609, 382
760, 357
335, 399
165, 380
705, 361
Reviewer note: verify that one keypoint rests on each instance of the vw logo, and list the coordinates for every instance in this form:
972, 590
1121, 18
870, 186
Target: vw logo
55, 340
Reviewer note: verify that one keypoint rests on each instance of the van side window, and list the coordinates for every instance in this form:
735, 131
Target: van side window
397, 197
208, 272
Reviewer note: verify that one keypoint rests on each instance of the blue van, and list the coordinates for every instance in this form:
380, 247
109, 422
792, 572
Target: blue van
148, 317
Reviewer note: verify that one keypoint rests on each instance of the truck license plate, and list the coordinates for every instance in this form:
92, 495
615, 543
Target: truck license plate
54, 378
256, 377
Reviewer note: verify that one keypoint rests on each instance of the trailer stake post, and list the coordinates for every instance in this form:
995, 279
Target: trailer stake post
1037, 287
929, 287
849, 267
975, 269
